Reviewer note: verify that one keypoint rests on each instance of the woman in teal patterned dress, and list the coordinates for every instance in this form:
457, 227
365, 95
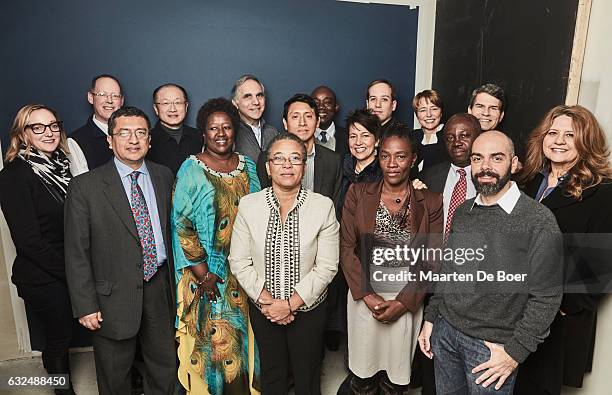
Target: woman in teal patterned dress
217, 350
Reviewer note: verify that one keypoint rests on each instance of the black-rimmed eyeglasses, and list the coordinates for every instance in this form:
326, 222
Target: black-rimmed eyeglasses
39, 128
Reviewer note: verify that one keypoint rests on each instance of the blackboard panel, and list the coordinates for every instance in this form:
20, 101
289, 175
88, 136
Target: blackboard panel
51, 49
524, 46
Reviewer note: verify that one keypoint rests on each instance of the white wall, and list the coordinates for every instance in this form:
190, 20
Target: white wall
596, 81
596, 95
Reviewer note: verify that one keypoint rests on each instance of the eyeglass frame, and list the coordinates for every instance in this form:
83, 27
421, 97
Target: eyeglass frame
285, 160
112, 96
170, 103
59, 123
137, 133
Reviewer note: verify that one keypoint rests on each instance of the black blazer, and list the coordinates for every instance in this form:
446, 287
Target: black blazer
103, 251
430, 154
93, 143
568, 351
341, 137
327, 173
36, 222
435, 176
165, 151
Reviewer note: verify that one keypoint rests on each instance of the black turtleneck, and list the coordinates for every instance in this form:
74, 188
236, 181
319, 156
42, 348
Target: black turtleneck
174, 133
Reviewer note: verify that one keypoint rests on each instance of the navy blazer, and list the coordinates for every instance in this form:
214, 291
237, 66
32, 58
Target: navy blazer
93, 143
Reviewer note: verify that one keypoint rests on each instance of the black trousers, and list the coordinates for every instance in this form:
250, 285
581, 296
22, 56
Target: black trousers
50, 303
297, 346
379, 384
114, 358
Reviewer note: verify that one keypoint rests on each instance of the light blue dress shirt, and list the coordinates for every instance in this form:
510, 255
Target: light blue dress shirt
145, 183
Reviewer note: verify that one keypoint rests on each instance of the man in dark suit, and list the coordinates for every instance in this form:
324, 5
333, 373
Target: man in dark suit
105, 96
323, 172
254, 136
328, 134
118, 269
171, 140
453, 180
459, 134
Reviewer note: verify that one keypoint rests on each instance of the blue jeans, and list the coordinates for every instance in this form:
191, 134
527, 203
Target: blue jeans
455, 355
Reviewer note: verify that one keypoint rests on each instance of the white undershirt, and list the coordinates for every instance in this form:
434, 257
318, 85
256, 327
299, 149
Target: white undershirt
103, 126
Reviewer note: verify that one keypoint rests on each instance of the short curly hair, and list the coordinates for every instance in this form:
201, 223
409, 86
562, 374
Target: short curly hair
219, 104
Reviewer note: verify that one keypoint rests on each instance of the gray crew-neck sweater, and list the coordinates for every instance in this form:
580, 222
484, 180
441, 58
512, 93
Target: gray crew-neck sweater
515, 314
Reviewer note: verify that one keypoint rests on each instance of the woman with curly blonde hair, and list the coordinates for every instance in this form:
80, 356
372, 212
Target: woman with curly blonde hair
568, 170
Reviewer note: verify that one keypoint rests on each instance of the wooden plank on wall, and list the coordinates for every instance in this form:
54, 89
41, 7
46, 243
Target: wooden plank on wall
579, 46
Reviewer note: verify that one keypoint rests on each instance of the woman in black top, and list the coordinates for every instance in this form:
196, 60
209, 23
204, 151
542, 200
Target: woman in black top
428, 107
567, 169
361, 165
32, 191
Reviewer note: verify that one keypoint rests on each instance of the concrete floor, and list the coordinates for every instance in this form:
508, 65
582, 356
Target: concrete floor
84, 376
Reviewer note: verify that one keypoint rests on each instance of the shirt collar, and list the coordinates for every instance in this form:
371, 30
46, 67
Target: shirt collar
124, 170
507, 201
546, 172
259, 125
103, 126
468, 170
330, 131
312, 154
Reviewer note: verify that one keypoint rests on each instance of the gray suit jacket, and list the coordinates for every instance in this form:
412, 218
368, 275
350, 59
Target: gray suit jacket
246, 142
102, 248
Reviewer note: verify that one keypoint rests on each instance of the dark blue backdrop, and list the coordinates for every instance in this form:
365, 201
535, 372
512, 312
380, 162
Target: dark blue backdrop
51, 49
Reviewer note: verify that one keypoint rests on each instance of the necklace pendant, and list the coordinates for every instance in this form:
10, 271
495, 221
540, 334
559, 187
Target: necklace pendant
398, 200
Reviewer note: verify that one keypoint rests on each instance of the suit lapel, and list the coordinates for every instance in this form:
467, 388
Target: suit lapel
115, 194
319, 171
267, 134
440, 180
160, 197
556, 198
370, 201
417, 212
250, 135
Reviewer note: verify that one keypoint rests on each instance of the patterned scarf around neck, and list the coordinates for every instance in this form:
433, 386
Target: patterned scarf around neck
54, 172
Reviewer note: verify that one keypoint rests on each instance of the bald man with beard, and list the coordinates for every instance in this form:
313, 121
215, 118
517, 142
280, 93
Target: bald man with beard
477, 331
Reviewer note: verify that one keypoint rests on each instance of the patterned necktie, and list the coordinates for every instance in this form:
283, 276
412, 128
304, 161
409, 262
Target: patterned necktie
457, 198
323, 136
144, 227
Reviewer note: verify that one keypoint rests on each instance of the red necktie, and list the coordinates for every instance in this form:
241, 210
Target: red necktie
457, 198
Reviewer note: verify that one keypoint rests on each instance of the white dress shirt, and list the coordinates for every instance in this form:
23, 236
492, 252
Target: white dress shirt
451, 180
330, 132
506, 202
257, 132
103, 126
